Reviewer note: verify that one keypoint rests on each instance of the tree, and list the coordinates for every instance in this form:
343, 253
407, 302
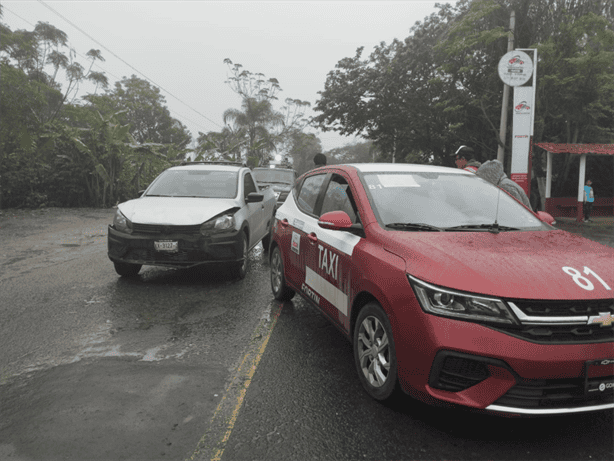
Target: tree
223, 145
359, 152
256, 119
421, 98
302, 147
143, 108
264, 127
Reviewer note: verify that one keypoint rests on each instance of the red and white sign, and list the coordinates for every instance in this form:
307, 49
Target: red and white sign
521, 136
515, 68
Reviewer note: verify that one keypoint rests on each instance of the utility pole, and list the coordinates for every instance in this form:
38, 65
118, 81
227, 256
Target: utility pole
506, 95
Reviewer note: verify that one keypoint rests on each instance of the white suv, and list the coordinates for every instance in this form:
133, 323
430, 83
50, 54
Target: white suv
194, 214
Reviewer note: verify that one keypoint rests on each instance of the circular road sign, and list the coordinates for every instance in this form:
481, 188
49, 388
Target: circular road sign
515, 68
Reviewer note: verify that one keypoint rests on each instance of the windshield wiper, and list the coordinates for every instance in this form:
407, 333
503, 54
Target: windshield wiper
494, 227
414, 226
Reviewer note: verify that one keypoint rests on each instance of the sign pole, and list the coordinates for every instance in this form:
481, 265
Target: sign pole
506, 95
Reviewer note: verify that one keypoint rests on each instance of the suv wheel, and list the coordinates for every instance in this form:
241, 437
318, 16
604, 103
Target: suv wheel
240, 269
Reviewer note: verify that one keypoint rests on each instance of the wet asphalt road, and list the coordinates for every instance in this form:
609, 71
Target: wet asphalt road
98, 367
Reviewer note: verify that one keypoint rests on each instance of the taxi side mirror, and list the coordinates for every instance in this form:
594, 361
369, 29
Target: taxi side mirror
546, 217
335, 220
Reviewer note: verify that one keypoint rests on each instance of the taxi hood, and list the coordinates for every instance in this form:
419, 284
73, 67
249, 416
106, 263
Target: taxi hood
525, 265
174, 210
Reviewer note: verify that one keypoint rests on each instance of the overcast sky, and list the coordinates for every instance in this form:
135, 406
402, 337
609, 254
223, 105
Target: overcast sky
180, 46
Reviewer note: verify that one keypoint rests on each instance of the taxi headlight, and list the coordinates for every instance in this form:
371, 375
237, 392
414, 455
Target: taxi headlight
220, 224
121, 223
450, 303
277, 194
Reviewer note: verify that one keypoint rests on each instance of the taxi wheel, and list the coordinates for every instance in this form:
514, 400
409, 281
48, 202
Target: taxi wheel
281, 292
126, 269
239, 270
374, 352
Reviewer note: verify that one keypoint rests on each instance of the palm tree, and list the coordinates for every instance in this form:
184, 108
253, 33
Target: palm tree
257, 118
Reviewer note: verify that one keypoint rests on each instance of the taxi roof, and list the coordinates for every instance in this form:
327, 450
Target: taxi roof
405, 168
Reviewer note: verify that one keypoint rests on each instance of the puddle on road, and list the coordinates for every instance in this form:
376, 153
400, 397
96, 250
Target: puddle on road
101, 343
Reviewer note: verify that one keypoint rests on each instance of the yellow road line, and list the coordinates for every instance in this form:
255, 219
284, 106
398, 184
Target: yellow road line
212, 444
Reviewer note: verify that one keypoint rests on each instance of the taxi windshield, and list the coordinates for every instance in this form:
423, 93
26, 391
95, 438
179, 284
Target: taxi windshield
195, 183
444, 201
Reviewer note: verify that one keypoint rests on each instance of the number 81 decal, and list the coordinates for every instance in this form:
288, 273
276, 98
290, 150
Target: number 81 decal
582, 281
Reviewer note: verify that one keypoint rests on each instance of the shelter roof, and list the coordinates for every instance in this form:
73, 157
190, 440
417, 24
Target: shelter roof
561, 148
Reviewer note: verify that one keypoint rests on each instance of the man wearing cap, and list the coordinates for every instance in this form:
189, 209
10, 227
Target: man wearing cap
461, 155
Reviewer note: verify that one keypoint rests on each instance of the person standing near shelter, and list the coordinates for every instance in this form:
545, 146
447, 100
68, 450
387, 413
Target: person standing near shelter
462, 154
589, 198
492, 171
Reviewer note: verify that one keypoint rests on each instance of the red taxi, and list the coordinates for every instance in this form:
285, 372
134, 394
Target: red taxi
449, 289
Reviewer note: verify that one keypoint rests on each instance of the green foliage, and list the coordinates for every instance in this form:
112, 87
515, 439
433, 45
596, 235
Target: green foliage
420, 98
55, 153
302, 147
257, 129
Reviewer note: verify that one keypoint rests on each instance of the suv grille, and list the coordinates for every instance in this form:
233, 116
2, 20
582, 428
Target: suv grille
193, 229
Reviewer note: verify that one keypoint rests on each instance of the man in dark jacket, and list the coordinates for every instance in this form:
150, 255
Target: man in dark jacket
319, 160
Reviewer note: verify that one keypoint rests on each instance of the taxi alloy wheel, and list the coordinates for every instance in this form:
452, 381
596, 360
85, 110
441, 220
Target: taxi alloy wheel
126, 269
281, 292
374, 352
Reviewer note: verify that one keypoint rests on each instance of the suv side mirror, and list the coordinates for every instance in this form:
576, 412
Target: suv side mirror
253, 197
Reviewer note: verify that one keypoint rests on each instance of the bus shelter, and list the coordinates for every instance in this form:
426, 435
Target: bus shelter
573, 206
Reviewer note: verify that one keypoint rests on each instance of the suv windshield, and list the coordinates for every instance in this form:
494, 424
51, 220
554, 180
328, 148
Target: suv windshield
444, 200
274, 176
195, 183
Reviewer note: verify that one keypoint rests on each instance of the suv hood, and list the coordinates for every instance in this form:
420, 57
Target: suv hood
525, 265
174, 210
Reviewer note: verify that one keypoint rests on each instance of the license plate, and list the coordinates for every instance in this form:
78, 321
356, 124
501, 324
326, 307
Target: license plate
168, 246
599, 376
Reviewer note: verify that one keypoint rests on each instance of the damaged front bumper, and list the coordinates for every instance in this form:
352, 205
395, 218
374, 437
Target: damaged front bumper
188, 250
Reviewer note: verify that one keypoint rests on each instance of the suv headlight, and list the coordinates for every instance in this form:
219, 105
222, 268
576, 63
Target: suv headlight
220, 224
450, 303
121, 223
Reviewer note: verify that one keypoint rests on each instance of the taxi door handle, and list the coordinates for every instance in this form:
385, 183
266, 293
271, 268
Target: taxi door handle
313, 237
284, 222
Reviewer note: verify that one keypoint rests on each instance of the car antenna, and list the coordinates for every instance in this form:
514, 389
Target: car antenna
495, 227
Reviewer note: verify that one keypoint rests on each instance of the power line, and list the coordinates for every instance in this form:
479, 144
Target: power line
180, 116
126, 63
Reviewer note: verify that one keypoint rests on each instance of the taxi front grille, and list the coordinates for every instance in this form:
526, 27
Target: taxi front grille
162, 229
552, 393
565, 308
561, 334
561, 322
